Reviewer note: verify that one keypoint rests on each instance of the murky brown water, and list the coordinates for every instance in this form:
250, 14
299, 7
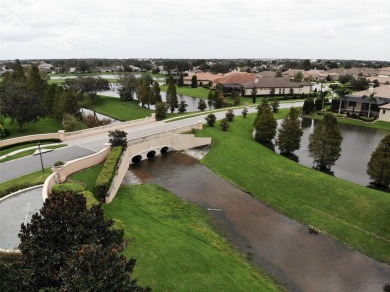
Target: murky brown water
301, 261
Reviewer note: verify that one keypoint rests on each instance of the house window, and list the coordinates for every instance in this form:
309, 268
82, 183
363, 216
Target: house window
280, 91
352, 103
384, 111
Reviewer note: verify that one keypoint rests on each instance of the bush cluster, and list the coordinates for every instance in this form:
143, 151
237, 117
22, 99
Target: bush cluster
90, 199
106, 175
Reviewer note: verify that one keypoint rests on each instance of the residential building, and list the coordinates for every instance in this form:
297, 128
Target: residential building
279, 85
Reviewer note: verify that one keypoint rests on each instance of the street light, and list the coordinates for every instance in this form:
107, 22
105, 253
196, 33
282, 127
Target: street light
40, 155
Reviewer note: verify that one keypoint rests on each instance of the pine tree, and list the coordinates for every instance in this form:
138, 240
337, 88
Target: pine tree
194, 81
156, 96
172, 100
378, 167
325, 142
290, 132
182, 107
265, 125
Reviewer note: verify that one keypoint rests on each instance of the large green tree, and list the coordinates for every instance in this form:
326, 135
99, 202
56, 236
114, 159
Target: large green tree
290, 132
172, 100
127, 85
156, 93
90, 85
144, 92
67, 245
378, 167
35, 82
325, 142
21, 105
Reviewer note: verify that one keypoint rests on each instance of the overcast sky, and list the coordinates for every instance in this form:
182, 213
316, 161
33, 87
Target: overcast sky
314, 29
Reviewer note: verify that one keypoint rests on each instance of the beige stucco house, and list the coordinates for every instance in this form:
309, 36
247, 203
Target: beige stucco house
280, 85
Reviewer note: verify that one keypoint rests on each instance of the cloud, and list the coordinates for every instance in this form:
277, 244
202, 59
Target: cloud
194, 29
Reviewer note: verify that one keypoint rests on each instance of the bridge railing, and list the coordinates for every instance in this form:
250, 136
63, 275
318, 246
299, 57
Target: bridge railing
178, 130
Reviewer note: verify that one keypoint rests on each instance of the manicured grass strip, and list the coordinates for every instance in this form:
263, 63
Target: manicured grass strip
355, 215
46, 125
199, 92
118, 109
18, 147
28, 152
88, 177
175, 246
22, 182
377, 124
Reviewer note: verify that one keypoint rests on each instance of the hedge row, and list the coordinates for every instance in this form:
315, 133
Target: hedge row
73, 187
106, 175
28, 142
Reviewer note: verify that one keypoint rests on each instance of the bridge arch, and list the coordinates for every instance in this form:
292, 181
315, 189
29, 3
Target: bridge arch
151, 154
136, 159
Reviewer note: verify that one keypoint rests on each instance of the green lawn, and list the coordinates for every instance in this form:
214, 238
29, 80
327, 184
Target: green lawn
22, 182
355, 215
199, 92
175, 246
88, 177
46, 125
377, 124
118, 109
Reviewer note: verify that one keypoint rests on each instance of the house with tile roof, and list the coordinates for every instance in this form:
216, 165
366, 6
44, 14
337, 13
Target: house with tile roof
203, 79
279, 85
358, 102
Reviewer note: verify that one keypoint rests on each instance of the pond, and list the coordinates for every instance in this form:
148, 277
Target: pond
357, 147
192, 102
301, 261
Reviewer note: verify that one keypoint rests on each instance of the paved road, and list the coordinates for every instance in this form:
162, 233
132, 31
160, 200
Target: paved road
88, 145
19, 167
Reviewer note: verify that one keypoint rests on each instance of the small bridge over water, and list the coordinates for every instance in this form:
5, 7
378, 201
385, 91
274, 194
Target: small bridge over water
147, 147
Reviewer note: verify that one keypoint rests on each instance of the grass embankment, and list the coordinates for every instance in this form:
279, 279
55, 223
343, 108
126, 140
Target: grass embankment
88, 177
357, 216
118, 109
28, 152
377, 124
22, 182
176, 248
46, 125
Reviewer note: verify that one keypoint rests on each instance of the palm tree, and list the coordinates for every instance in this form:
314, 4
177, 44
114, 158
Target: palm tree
322, 95
371, 98
341, 92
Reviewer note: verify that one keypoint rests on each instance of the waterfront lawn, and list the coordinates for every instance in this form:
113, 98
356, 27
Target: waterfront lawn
355, 215
22, 182
46, 125
198, 92
118, 109
377, 124
175, 246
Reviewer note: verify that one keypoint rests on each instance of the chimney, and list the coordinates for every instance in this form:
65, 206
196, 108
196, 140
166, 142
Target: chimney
371, 87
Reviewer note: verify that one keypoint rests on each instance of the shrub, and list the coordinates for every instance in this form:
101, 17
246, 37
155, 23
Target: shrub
106, 175
58, 163
211, 118
365, 119
4, 133
118, 228
73, 187
224, 125
229, 115
90, 199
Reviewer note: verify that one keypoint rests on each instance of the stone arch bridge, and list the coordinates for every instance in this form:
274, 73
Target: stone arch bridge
149, 146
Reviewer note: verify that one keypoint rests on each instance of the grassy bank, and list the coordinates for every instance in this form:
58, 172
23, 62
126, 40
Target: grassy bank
46, 125
118, 109
176, 248
357, 216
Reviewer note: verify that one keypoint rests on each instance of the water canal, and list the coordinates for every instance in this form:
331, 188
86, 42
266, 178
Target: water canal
301, 261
